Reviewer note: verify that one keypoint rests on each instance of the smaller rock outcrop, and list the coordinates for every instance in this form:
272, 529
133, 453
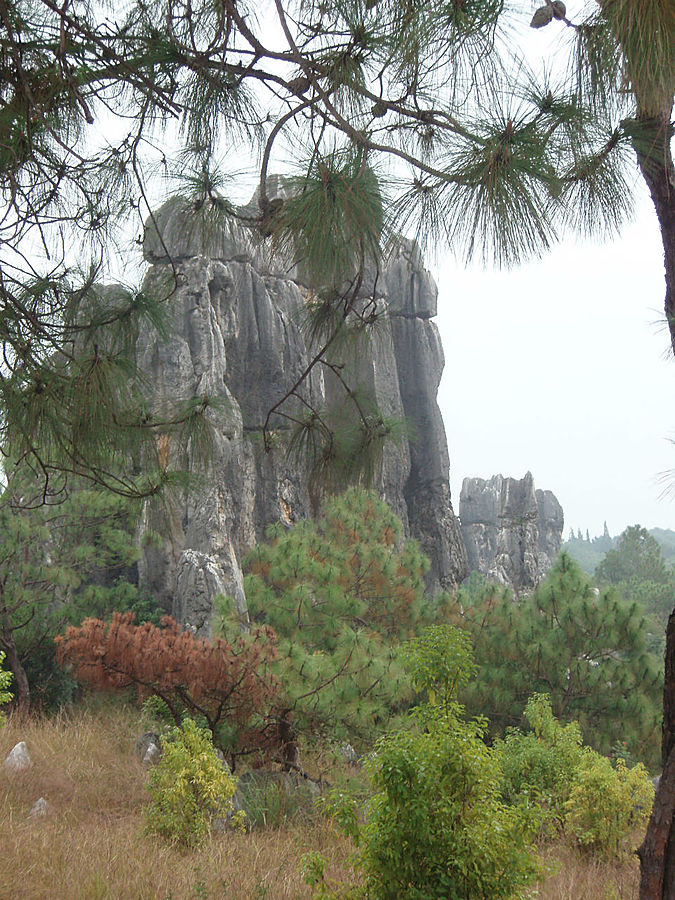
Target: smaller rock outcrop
511, 531
39, 809
149, 748
18, 759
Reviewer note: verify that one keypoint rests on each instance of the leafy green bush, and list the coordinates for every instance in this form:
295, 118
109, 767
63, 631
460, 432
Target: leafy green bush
188, 787
5, 681
607, 804
539, 766
436, 826
574, 787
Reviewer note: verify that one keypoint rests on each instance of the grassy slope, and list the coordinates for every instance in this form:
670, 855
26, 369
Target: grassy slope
92, 846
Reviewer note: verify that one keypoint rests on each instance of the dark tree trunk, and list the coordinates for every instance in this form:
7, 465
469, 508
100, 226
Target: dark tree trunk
651, 138
657, 853
287, 738
19, 686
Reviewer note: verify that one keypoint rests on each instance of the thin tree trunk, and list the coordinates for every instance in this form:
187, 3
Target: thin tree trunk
668, 754
19, 686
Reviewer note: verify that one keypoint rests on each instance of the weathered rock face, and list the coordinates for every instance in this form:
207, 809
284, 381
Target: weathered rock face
236, 334
512, 533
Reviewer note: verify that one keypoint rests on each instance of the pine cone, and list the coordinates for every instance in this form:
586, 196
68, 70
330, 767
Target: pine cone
268, 223
542, 17
559, 9
299, 85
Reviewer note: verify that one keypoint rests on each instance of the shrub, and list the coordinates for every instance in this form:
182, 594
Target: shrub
5, 681
539, 766
436, 826
576, 788
226, 683
607, 804
188, 787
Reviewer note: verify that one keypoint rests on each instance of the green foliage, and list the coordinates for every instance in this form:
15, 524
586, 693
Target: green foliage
666, 541
436, 826
586, 648
637, 569
188, 786
334, 218
5, 681
637, 555
339, 592
58, 563
539, 766
607, 804
51, 687
575, 789
439, 664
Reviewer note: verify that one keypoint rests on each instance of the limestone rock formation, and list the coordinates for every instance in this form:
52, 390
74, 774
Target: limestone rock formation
512, 532
236, 334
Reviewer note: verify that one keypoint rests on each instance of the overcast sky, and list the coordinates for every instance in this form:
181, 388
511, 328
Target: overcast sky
560, 367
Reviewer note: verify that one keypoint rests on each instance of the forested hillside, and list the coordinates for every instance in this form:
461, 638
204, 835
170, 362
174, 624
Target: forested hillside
589, 552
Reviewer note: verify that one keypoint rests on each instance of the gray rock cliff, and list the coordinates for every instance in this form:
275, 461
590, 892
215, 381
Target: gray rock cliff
235, 324
511, 531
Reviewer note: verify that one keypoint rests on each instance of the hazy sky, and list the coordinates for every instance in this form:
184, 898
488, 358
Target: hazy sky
561, 367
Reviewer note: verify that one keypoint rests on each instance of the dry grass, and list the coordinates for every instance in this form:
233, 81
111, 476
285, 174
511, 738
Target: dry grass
92, 845
573, 876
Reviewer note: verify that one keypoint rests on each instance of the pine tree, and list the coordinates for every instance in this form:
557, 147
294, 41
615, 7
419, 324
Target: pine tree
228, 685
637, 555
637, 569
58, 563
340, 593
586, 648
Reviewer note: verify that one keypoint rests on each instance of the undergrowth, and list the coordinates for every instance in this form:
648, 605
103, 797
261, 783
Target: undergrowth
93, 844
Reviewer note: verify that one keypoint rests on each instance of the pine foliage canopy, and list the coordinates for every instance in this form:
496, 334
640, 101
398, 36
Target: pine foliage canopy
340, 593
421, 116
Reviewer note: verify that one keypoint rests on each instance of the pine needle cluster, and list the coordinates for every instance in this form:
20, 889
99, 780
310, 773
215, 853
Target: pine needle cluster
418, 114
